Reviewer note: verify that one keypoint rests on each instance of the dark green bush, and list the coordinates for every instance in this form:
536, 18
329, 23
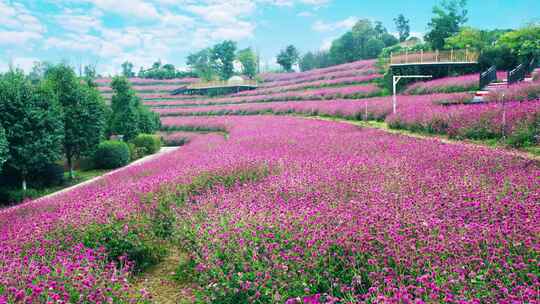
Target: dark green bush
48, 176
112, 154
12, 196
150, 143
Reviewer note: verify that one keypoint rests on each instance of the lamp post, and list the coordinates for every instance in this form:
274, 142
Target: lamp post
395, 80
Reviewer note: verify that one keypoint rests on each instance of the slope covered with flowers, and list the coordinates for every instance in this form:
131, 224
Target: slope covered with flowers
281, 209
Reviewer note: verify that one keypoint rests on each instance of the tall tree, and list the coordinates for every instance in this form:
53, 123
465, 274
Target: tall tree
403, 27
84, 113
127, 69
3, 147
288, 57
447, 19
32, 118
124, 104
201, 64
248, 59
223, 55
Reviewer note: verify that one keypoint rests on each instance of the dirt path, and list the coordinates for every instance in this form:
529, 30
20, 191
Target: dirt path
160, 283
162, 151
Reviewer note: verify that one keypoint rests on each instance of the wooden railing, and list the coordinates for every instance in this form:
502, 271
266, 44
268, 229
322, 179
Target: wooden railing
488, 77
451, 56
221, 84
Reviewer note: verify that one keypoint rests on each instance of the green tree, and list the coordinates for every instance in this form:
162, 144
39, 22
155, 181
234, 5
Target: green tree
288, 57
523, 42
223, 55
248, 59
124, 104
32, 118
127, 69
447, 19
3, 147
84, 113
201, 64
403, 27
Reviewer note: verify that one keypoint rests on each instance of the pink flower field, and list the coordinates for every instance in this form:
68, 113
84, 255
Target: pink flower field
336, 213
449, 84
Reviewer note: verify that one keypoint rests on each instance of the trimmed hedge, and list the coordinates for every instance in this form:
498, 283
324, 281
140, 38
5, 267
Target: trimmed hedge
149, 143
112, 154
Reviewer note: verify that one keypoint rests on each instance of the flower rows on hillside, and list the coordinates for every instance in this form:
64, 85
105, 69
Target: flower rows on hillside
147, 81
356, 91
270, 77
313, 84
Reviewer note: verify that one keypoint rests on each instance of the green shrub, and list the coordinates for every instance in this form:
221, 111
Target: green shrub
150, 143
48, 176
525, 135
112, 154
18, 195
126, 239
135, 152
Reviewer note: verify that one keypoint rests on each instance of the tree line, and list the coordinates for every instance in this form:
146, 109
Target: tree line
447, 29
53, 116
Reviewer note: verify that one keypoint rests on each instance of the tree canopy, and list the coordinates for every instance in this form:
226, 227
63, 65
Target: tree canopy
288, 57
32, 119
249, 62
223, 55
129, 117
84, 112
403, 27
447, 20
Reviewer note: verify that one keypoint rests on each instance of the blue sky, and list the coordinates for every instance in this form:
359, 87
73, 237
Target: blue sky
107, 32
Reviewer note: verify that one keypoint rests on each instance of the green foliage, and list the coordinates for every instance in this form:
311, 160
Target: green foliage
499, 56
526, 135
248, 59
84, 112
447, 19
288, 57
317, 60
364, 41
3, 147
32, 119
403, 27
48, 175
524, 42
149, 143
166, 71
129, 117
112, 154
127, 69
201, 63
223, 55
122, 240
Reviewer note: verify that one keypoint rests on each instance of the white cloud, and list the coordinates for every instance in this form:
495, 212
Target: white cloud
17, 26
345, 24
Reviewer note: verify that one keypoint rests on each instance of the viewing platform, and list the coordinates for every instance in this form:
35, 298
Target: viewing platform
234, 85
452, 57
435, 63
